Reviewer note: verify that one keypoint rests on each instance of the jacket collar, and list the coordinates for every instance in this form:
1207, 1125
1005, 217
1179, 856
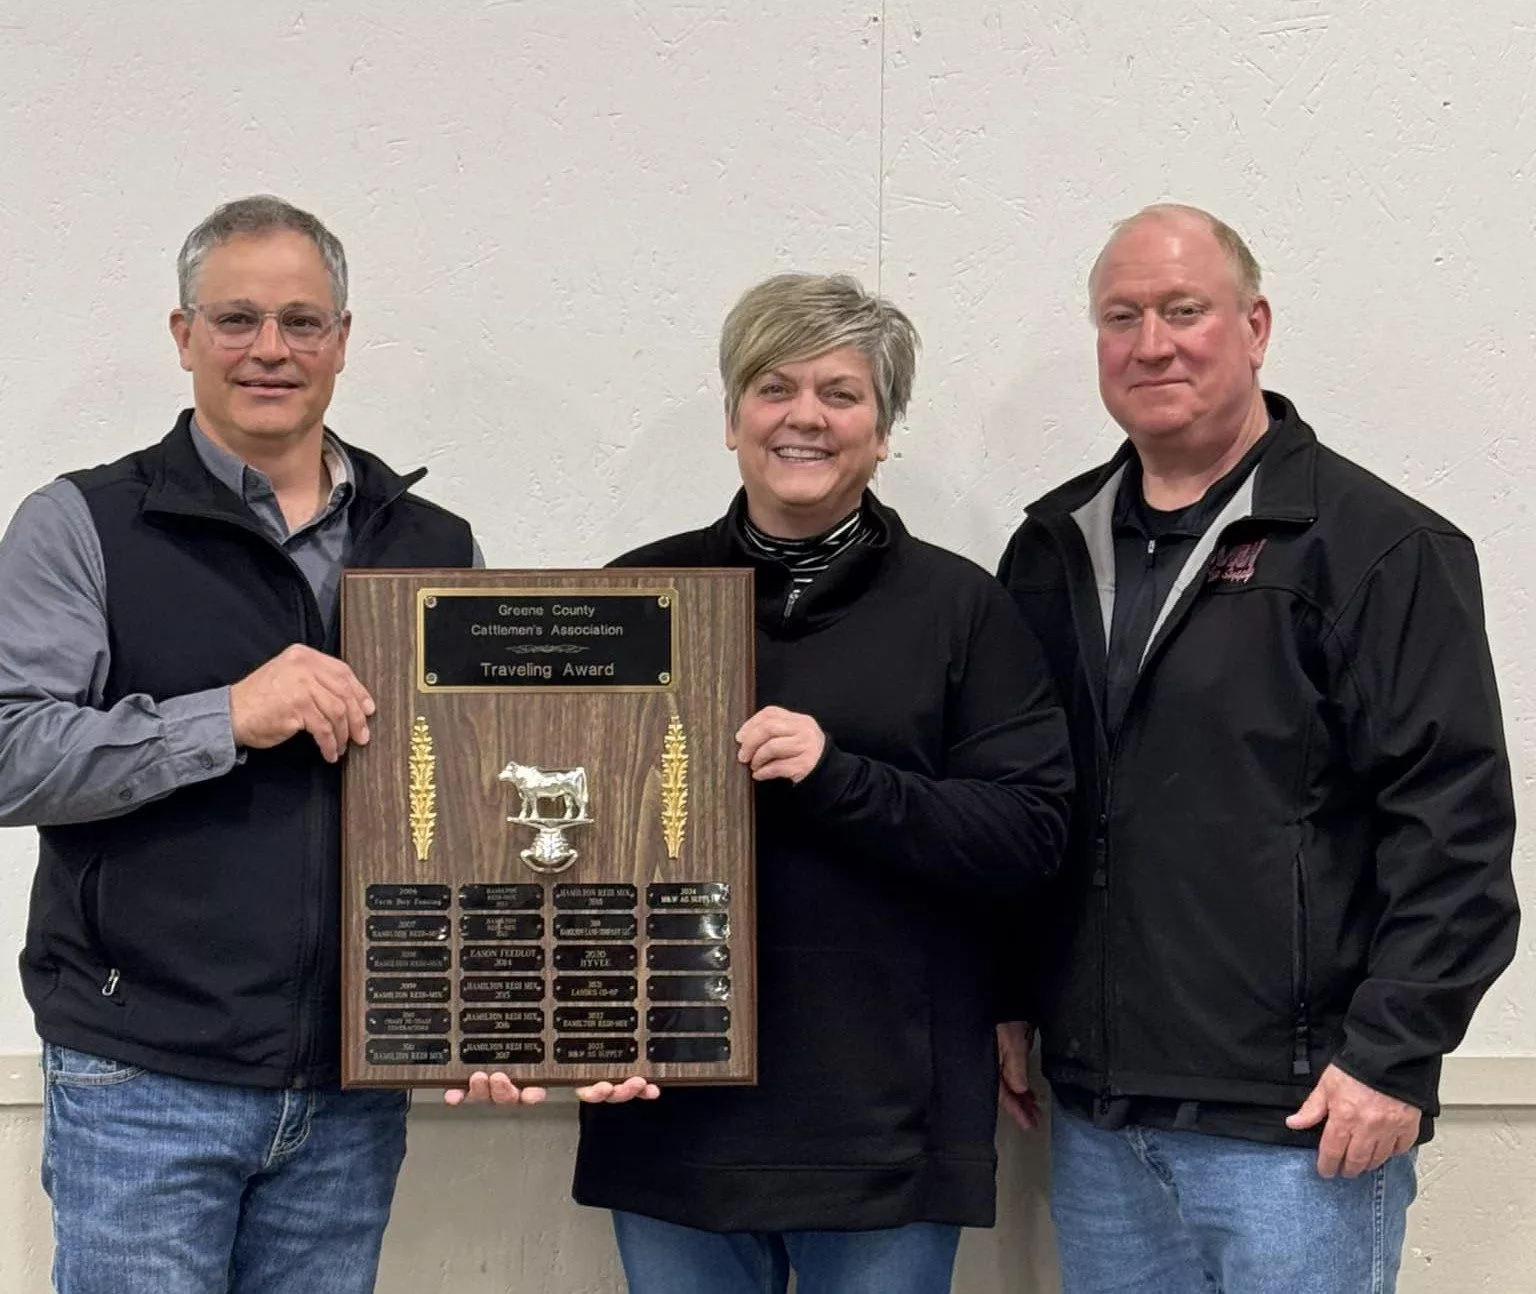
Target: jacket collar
1284, 482
180, 483
830, 594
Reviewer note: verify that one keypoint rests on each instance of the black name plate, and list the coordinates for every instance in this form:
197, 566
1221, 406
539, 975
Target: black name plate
595, 925
480, 1020
488, 988
495, 926
601, 957
409, 960
688, 988
407, 991
408, 898
407, 1022
595, 988
685, 925
501, 898
405, 930
691, 1051
511, 639
501, 1051
708, 895
408, 1051
606, 1051
584, 898
596, 1019
687, 957
493, 957
688, 1019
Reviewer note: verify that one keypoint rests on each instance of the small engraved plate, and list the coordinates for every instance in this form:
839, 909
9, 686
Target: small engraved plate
688, 1019
581, 898
601, 957
522, 926
485, 988
689, 1051
406, 930
490, 958
409, 898
502, 1051
407, 1022
481, 1020
408, 1051
409, 960
501, 898
687, 957
596, 1019
514, 640
407, 991
596, 1051
595, 988
689, 895
688, 988
684, 925
594, 925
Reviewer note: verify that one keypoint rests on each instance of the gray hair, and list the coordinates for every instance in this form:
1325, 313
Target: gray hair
793, 317
261, 214
1245, 267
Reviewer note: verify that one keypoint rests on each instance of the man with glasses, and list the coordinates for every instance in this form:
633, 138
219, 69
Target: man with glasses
171, 717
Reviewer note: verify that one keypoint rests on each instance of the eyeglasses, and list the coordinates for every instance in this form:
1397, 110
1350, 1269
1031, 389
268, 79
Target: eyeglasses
235, 325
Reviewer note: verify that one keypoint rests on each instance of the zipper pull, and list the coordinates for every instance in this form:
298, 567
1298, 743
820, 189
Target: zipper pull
1151, 553
110, 987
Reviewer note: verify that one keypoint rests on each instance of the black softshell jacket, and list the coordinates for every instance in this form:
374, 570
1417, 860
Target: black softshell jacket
1297, 849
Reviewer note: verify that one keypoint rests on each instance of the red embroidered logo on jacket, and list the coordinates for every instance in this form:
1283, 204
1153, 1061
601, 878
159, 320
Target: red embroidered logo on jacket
1234, 563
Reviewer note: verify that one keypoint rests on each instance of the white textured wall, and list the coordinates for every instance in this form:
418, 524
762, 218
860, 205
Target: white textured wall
549, 205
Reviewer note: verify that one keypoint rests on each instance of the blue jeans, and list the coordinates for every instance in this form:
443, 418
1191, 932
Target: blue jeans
1143, 1211
162, 1185
664, 1258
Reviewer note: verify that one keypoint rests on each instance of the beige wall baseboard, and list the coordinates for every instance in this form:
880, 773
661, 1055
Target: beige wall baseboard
1469, 1081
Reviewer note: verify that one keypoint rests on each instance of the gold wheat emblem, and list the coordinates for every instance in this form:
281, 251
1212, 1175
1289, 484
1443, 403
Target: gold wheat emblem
674, 786
423, 789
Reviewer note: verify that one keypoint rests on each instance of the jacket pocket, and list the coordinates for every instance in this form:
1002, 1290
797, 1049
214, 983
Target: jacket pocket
1301, 1050
88, 901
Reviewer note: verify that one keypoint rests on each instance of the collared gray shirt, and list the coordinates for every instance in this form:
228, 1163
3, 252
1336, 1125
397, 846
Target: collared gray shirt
64, 755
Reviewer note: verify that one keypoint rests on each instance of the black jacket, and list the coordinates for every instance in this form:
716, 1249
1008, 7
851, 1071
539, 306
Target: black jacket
942, 791
198, 935
1297, 851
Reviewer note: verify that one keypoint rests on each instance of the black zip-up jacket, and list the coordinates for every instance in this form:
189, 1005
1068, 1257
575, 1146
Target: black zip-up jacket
942, 792
1297, 850
199, 935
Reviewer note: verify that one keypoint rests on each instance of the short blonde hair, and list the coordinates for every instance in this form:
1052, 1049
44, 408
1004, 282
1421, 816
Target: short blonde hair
1245, 267
793, 317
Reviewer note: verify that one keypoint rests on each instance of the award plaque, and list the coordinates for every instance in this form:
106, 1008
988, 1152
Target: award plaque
547, 857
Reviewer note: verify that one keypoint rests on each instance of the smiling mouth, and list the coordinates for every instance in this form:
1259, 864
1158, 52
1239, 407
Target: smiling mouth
800, 454
267, 384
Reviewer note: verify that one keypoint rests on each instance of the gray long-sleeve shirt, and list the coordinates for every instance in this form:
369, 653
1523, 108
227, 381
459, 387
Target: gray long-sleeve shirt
64, 756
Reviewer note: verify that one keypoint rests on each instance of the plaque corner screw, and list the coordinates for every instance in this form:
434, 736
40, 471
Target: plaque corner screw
430, 600
431, 680
664, 677
664, 601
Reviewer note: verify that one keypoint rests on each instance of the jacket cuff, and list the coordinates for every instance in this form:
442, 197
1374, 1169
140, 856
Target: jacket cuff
823, 788
1415, 1081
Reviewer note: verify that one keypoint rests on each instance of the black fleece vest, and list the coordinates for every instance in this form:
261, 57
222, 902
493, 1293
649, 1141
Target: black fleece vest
197, 935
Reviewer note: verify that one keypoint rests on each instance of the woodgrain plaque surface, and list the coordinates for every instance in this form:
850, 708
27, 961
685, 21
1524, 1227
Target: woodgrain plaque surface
547, 862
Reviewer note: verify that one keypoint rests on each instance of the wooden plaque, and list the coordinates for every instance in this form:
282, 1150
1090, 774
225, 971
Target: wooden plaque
547, 858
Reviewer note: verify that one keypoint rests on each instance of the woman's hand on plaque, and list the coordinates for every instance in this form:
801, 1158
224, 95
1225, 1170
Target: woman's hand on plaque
780, 743
498, 1089
618, 1093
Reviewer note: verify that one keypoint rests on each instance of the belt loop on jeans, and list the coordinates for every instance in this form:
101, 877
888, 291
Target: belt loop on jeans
1187, 1117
